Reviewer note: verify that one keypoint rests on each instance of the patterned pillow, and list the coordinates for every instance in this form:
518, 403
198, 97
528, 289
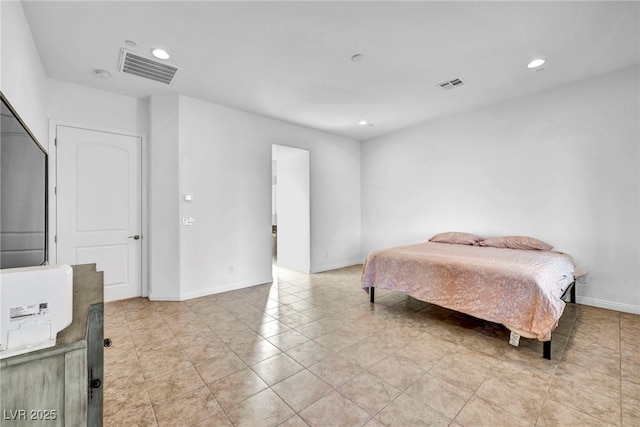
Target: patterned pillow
456, 237
516, 242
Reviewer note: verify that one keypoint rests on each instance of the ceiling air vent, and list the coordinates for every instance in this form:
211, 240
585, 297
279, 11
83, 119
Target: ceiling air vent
451, 84
148, 68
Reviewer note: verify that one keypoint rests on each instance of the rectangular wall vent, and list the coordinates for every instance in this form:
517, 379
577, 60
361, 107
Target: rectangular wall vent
451, 84
137, 65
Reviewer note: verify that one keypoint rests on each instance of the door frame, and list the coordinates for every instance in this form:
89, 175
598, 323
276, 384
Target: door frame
303, 265
52, 209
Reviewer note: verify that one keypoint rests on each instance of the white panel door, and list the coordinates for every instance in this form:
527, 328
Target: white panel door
98, 217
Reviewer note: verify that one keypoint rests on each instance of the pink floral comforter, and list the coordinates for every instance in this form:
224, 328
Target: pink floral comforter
519, 288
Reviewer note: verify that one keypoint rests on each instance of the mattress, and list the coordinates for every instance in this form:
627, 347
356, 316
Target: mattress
520, 289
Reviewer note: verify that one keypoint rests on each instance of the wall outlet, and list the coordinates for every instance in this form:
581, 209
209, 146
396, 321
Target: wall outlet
188, 221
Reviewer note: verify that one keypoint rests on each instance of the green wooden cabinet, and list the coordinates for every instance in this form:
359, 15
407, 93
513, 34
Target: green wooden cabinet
61, 385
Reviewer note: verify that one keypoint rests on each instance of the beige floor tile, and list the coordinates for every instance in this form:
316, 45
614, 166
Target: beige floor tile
425, 353
236, 387
264, 409
602, 403
315, 329
219, 367
158, 361
280, 311
397, 372
439, 395
174, 384
369, 392
294, 421
365, 353
153, 336
466, 369
437, 356
334, 410
220, 419
297, 319
187, 409
407, 411
130, 406
271, 328
201, 348
630, 414
374, 422
288, 339
589, 378
509, 396
121, 363
478, 412
256, 352
554, 414
608, 365
523, 376
301, 390
277, 368
309, 353
336, 370
338, 340
630, 392
241, 338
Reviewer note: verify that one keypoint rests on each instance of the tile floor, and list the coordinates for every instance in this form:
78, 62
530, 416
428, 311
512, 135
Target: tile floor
311, 350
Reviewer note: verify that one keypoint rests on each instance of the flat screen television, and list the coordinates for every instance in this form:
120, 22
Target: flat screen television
23, 193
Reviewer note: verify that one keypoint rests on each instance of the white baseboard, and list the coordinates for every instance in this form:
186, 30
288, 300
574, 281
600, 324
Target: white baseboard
610, 305
183, 296
323, 268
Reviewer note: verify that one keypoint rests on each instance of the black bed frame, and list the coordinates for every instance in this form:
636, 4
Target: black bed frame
546, 345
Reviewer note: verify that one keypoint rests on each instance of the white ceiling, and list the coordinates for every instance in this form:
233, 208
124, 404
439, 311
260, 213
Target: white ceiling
291, 60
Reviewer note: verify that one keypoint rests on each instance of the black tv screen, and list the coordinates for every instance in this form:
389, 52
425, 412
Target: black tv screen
23, 193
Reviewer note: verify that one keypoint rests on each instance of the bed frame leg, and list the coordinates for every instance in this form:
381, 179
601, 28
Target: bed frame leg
546, 350
371, 296
572, 297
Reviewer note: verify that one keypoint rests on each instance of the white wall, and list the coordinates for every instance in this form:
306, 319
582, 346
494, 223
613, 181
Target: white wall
71, 103
561, 165
163, 237
225, 162
22, 78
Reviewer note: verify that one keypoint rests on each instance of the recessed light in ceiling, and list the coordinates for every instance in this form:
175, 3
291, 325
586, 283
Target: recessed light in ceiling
130, 43
358, 57
102, 74
363, 122
536, 63
160, 53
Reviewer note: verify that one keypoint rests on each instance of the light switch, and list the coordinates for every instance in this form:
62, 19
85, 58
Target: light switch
188, 197
188, 221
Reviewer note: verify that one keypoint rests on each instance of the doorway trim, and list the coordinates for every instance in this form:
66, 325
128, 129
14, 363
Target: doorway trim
53, 200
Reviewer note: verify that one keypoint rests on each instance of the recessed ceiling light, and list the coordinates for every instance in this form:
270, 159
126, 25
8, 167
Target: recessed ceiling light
102, 74
358, 57
536, 63
160, 53
363, 122
130, 43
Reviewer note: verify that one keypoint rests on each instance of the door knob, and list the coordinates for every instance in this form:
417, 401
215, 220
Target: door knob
136, 237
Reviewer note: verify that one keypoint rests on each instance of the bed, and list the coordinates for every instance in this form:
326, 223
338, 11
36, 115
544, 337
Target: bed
516, 281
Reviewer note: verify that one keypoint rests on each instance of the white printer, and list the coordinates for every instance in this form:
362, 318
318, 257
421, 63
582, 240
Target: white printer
35, 304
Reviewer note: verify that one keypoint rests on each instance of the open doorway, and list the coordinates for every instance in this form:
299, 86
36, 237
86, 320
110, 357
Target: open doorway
291, 210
